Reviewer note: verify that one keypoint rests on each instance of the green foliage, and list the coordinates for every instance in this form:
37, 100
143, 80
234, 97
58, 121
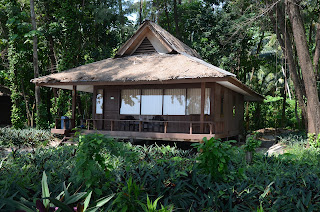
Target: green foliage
215, 156
271, 114
64, 201
129, 197
152, 206
10, 137
91, 161
164, 178
252, 143
314, 140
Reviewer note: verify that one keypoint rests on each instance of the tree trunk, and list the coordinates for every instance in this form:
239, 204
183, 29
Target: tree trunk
284, 96
176, 18
35, 56
317, 50
286, 46
309, 79
140, 12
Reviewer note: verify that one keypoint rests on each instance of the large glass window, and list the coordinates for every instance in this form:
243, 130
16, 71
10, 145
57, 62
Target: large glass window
151, 102
130, 101
99, 101
194, 101
174, 102
164, 102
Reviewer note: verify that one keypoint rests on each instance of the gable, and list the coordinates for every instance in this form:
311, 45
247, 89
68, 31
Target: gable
161, 40
144, 47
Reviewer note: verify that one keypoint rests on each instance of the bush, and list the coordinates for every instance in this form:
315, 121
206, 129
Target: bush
151, 178
215, 156
10, 137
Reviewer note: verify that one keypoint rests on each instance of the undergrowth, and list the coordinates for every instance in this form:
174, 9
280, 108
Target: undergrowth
10, 137
164, 178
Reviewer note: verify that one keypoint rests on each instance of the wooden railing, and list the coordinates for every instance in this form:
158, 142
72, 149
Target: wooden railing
142, 125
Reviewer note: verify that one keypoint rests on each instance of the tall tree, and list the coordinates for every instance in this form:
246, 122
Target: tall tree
307, 69
35, 56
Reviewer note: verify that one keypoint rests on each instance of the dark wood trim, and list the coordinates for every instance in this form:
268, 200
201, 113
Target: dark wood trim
203, 100
74, 105
239, 84
153, 82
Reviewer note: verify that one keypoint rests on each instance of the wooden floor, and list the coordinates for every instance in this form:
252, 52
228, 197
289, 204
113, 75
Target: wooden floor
155, 135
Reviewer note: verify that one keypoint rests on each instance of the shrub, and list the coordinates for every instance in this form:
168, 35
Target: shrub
252, 143
215, 156
26, 137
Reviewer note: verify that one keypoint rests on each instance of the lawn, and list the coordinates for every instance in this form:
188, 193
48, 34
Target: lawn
103, 174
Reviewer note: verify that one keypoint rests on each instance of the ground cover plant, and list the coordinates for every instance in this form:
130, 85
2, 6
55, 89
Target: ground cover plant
162, 178
10, 137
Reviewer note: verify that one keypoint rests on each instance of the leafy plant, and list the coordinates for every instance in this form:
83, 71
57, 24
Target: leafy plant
214, 156
63, 202
152, 206
128, 199
26, 137
252, 143
91, 159
314, 140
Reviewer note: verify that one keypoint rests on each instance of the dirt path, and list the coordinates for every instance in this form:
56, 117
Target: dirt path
268, 138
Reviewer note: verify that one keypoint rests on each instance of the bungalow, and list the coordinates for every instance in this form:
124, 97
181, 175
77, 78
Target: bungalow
156, 87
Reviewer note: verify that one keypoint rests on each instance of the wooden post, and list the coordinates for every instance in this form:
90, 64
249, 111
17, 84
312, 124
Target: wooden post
140, 126
203, 96
210, 128
190, 128
74, 105
165, 127
112, 125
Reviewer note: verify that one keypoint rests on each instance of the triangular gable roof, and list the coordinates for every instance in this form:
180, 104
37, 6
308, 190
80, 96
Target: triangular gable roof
159, 37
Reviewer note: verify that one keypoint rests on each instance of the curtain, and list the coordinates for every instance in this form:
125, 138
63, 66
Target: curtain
174, 102
151, 102
194, 101
99, 101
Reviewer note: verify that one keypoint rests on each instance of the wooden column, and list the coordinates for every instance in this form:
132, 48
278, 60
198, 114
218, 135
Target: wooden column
74, 105
203, 99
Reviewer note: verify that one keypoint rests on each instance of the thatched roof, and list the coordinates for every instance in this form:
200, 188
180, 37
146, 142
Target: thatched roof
134, 63
173, 44
152, 67
4, 91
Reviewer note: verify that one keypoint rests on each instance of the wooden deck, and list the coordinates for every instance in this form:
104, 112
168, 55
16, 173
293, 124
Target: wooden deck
155, 136
142, 130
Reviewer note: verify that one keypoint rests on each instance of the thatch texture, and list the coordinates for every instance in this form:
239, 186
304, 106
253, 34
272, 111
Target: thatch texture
145, 67
175, 43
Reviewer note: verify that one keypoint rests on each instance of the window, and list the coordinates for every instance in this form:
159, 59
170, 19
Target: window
99, 101
174, 102
130, 101
151, 102
164, 102
194, 101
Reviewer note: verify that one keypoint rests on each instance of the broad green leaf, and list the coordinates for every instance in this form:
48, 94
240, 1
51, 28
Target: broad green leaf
45, 190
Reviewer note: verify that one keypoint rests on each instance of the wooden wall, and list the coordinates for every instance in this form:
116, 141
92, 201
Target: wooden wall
226, 123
